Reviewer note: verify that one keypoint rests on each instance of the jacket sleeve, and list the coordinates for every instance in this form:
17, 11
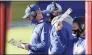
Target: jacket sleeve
57, 46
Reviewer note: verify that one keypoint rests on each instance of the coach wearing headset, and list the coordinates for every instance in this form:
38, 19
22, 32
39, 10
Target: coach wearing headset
61, 39
39, 40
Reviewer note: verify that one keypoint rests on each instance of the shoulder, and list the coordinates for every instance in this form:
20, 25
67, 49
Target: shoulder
40, 25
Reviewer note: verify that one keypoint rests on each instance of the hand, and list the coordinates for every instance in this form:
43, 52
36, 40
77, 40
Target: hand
59, 25
19, 45
27, 46
23, 45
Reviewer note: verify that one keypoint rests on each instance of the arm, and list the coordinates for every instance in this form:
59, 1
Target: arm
57, 44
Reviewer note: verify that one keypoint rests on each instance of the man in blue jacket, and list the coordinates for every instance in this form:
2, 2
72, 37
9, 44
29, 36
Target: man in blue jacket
61, 39
39, 42
79, 31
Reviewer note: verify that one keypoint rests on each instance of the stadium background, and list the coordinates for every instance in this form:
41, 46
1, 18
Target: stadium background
20, 29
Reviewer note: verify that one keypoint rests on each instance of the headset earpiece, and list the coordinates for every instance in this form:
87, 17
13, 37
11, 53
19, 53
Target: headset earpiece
32, 12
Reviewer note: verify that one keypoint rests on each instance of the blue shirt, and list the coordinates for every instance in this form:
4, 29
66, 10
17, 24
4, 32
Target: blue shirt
39, 43
61, 41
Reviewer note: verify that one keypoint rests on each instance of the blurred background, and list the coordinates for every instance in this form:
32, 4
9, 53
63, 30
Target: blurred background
21, 29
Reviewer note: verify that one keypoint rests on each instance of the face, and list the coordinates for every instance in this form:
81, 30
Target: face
39, 15
30, 17
55, 13
75, 26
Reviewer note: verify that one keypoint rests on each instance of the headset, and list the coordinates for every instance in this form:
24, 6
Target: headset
32, 12
81, 23
54, 7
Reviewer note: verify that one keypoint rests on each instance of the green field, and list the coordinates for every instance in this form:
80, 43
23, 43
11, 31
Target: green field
19, 33
18, 10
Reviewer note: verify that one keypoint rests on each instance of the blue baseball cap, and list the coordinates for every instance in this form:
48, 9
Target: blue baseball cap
29, 9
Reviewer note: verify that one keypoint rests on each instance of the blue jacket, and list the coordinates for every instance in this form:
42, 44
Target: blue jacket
79, 46
61, 41
39, 42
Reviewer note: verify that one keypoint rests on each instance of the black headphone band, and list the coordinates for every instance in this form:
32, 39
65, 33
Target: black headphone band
56, 8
